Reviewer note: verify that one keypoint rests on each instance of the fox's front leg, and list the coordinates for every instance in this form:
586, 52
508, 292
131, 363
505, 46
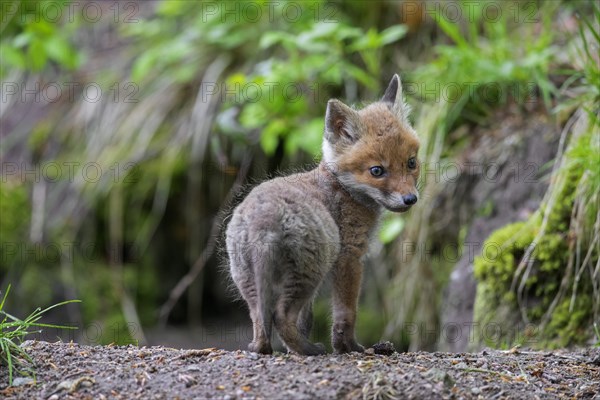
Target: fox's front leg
347, 275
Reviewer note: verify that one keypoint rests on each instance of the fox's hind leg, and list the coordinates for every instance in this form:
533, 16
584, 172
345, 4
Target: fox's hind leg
286, 322
293, 310
261, 327
243, 267
261, 343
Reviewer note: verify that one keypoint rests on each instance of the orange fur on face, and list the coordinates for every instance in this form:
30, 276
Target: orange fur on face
385, 142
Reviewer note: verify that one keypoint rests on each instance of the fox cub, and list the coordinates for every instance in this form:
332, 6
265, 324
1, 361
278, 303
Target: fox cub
291, 232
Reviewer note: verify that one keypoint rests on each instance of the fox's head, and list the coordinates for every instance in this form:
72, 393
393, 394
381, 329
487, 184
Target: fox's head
373, 151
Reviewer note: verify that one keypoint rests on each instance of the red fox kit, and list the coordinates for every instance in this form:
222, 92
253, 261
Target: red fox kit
291, 232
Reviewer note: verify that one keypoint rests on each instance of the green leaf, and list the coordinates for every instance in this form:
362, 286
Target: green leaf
142, 66
171, 8
253, 115
390, 229
41, 28
270, 38
269, 139
361, 76
12, 56
393, 33
451, 29
37, 55
307, 137
370, 40
311, 45
22, 39
59, 50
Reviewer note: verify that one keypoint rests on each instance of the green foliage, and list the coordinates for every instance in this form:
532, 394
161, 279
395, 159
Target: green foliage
31, 39
488, 64
570, 323
584, 79
283, 96
14, 330
391, 227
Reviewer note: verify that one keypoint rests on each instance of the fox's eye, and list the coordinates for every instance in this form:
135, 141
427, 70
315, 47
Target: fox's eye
412, 163
376, 171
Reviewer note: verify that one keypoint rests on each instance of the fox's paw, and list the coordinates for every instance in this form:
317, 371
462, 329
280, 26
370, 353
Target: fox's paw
321, 348
347, 346
262, 348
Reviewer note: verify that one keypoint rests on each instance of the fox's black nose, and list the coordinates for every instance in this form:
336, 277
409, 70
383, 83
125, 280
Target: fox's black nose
409, 199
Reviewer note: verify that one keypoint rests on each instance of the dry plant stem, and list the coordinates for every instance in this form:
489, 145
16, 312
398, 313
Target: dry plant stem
186, 281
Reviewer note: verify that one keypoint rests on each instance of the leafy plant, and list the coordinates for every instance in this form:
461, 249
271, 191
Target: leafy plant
14, 330
489, 63
31, 39
314, 61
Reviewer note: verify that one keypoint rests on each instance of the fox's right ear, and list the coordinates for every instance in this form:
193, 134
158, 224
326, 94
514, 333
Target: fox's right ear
394, 97
341, 122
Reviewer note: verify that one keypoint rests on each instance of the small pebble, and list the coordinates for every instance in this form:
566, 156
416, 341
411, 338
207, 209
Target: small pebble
22, 381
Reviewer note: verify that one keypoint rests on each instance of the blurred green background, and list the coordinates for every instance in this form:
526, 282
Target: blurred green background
130, 128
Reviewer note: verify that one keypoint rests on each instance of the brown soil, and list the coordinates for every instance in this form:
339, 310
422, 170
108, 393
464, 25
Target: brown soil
72, 371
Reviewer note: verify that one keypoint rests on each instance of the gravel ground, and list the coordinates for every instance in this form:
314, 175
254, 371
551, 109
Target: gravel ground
72, 371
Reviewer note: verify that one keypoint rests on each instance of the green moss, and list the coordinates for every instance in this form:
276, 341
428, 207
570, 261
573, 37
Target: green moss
567, 325
495, 269
501, 251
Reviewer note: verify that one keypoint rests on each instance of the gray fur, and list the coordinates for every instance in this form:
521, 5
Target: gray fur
282, 241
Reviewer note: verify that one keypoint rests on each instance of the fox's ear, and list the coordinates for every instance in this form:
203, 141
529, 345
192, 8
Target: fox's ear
341, 122
394, 98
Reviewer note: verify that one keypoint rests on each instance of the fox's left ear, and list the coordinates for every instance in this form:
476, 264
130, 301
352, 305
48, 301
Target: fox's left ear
395, 100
